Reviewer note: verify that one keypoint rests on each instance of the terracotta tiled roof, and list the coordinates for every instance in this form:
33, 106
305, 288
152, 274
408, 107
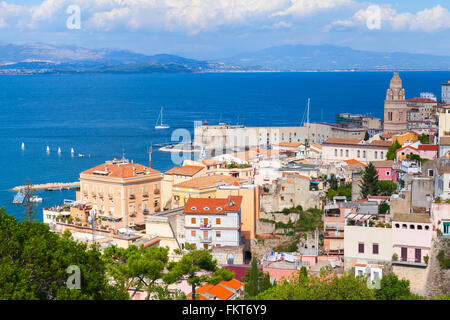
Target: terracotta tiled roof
211, 162
354, 161
342, 141
208, 181
429, 147
185, 170
407, 147
213, 205
223, 291
383, 164
120, 170
421, 100
290, 144
381, 143
233, 283
318, 146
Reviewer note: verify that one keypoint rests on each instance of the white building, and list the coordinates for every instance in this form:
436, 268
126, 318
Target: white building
446, 92
210, 222
335, 149
442, 183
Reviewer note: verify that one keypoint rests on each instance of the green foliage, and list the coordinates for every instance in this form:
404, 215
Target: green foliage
290, 246
391, 154
424, 139
416, 157
326, 286
366, 136
255, 281
443, 260
34, 262
369, 182
137, 267
383, 208
391, 288
333, 182
386, 188
197, 267
233, 165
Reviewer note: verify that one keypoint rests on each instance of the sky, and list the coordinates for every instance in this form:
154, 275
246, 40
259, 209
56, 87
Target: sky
213, 29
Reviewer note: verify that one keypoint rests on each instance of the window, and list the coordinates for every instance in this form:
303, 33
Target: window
193, 233
342, 152
419, 227
390, 116
397, 225
218, 221
364, 153
361, 247
335, 152
412, 226
388, 173
217, 234
346, 153
359, 153
193, 221
376, 154
205, 245
382, 155
375, 248
205, 221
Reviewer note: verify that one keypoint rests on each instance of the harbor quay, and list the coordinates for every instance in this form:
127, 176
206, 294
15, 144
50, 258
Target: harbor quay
51, 186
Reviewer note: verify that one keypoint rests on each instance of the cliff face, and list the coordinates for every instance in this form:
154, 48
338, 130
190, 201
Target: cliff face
438, 280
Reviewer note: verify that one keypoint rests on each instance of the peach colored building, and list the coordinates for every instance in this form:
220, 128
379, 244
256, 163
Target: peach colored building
122, 192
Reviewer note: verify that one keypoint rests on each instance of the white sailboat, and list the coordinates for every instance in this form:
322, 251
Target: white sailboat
161, 125
72, 152
59, 150
48, 149
23, 146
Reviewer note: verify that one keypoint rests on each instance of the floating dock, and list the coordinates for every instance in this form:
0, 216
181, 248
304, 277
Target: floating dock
19, 197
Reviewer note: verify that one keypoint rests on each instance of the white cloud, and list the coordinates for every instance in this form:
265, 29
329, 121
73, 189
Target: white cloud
428, 20
186, 16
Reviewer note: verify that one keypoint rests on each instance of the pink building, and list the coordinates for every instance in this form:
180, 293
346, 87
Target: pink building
385, 171
428, 151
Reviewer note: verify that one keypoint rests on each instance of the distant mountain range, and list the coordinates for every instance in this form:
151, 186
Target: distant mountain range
40, 58
329, 58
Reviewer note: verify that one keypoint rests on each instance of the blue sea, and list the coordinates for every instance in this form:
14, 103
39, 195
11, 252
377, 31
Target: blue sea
103, 116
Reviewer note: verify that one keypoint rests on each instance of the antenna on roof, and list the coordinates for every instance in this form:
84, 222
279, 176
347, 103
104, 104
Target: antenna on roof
123, 154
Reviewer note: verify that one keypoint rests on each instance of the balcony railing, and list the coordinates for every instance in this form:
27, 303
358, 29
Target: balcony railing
145, 195
145, 212
156, 191
131, 196
205, 226
133, 214
208, 239
100, 194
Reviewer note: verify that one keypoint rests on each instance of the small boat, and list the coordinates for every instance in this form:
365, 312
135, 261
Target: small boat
23, 146
36, 199
19, 197
59, 150
48, 149
80, 155
161, 125
72, 151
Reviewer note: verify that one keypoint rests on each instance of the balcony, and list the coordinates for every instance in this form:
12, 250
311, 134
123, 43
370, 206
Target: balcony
145, 195
110, 195
409, 263
204, 226
100, 194
156, 191
131, 197
145, 212
133, 215
205, 240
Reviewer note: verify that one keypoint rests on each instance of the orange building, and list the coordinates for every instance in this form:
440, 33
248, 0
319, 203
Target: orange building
122, 192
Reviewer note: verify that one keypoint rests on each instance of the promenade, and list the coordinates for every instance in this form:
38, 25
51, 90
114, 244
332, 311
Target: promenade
52, 185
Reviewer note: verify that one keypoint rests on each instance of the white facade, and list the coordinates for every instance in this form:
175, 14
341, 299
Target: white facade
446, 92
213, 230
360, 152
442, 186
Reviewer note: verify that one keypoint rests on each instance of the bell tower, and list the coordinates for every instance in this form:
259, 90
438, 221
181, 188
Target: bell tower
395, 107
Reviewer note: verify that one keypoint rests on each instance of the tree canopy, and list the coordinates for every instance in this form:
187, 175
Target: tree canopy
34, 263
392, 151
369, 182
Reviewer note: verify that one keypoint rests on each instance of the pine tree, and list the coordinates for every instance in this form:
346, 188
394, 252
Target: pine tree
251, 279
369, 182
366, 136
30, 206
392, 152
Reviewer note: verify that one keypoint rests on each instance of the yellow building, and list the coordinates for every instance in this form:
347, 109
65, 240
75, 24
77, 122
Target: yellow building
203, 187
215, 167
122, 193
177, 175
406, 137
